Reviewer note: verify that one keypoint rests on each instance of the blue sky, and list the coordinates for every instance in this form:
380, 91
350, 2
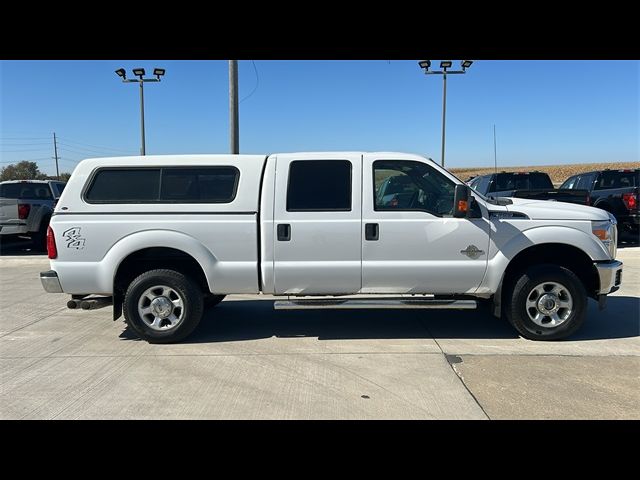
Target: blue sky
546, 112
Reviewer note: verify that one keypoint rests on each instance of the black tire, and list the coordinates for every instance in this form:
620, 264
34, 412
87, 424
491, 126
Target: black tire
516, 310
39, 238
212, 300
191, 299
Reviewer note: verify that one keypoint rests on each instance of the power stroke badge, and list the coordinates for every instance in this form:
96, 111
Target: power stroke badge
73, 238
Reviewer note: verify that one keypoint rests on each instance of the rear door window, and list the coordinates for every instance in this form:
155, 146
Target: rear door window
617, 179
319, 185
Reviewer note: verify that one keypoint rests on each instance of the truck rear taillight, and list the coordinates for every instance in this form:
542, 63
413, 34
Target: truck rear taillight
52, 251
630, 201
23, 210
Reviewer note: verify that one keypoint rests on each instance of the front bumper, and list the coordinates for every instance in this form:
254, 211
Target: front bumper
610, 274
50, 281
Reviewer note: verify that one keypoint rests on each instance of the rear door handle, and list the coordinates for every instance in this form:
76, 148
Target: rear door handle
371, 231
284, 232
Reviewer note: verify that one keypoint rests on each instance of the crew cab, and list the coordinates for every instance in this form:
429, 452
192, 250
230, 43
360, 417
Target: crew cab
535, 185
26, 207
616, 191
161, 237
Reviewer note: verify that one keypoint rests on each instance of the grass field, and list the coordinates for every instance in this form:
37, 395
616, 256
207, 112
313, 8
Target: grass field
558, 173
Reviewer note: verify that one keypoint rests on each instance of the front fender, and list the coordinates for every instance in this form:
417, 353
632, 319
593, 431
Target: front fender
540, 235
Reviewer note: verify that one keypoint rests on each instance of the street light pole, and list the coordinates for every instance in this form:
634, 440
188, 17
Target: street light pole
139, 72
444, 113
142, 150
445, 65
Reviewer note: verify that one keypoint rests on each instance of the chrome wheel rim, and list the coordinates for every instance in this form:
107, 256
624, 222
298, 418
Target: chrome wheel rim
161, 307
549, 304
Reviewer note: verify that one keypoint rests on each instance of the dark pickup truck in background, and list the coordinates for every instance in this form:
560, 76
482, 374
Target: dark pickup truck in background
615, 191
534, 185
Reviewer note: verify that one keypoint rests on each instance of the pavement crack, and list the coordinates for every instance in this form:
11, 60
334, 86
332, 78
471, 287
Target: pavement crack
451, 361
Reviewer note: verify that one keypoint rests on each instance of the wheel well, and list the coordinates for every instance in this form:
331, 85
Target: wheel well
158, 257
561, 254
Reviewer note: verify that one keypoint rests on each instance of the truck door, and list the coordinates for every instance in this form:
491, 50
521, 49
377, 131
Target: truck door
317, 224
411, 243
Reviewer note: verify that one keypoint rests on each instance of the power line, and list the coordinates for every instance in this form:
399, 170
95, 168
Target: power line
23, 144
26, 160
82, 151
23, 138
25, 150
101, 147
255, 69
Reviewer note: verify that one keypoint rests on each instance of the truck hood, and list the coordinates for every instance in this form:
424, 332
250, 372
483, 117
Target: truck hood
550, 210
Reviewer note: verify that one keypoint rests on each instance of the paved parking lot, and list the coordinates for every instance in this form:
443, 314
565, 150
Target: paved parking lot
248, 361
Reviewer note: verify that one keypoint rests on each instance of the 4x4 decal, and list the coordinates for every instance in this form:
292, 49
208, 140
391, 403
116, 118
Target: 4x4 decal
73, 238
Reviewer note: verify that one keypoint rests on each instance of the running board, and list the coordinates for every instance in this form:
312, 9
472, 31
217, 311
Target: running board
377, 303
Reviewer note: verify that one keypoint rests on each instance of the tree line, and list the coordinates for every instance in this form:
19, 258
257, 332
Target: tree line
26, 170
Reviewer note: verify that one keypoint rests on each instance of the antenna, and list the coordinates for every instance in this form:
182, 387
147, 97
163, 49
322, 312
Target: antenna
495, 151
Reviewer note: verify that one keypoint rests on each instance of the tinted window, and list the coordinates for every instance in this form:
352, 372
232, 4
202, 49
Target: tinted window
585, 182
569, 183
616, 179
317, 185
539, 181
178, 185
129, 185
34, 191
58, 188
522, 181
193, 185
483, 184
408, 185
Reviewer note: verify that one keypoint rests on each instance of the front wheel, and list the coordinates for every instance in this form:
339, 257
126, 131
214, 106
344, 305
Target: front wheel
163, 306
547, 302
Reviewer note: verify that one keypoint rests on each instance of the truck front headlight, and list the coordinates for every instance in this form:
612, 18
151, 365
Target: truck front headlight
607, 233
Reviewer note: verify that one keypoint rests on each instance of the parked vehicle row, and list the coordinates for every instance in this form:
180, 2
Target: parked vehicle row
26, 207
616, 191
160, 236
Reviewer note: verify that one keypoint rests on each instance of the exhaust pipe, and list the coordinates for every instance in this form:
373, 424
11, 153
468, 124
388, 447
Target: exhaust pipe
72, 304
95, 303
89, 303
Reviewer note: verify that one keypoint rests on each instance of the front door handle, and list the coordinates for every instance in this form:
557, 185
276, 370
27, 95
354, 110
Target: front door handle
371, 231
284, 232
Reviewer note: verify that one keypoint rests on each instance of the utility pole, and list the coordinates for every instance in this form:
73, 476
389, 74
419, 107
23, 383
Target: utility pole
55, 150
234, 134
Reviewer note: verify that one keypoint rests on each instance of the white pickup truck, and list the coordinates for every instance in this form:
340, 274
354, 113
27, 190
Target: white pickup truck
161, 237
26, 207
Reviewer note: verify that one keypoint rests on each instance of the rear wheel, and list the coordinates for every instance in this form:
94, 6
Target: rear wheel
163, 306
547, 302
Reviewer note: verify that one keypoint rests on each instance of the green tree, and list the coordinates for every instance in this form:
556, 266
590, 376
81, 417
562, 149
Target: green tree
24, 170
64, 176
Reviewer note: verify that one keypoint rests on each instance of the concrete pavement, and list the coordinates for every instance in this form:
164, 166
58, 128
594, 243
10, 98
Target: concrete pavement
248, 361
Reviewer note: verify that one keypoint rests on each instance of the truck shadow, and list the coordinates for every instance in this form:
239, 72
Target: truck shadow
252, 320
